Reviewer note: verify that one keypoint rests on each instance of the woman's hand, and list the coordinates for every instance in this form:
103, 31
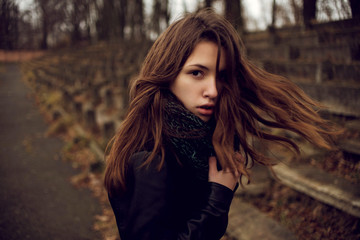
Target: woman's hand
224, 177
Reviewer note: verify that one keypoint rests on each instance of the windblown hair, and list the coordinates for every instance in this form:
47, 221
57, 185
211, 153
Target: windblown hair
246, 92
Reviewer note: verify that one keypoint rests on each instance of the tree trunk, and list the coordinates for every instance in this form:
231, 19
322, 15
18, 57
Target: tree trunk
122, 13
51, 13
273, 20
355, 8
309, 12
105, 24
9, 17
160, 16
44, 44
296, 11
233, 13
76, 35
208, 3
137, 19
44, 24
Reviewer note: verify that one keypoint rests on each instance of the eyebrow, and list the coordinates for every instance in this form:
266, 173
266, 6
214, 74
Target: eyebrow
198, 65
222, 71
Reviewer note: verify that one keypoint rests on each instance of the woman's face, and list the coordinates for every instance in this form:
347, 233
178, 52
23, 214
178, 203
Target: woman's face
196, 85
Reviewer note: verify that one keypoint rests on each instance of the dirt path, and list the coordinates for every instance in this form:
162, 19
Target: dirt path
37, 200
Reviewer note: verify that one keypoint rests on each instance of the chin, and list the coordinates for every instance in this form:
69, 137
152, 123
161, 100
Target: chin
205, 119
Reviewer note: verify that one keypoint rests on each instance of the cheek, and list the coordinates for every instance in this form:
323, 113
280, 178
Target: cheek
181, 85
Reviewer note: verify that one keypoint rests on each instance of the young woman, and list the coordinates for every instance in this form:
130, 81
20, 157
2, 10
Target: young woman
186, 139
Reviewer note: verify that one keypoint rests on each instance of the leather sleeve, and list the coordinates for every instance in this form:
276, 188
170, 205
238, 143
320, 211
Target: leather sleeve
143, 214
210, 222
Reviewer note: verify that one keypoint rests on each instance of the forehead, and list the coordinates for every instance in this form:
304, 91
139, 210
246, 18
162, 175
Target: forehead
205, 53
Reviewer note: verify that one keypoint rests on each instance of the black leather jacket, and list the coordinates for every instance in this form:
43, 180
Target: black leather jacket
170, 203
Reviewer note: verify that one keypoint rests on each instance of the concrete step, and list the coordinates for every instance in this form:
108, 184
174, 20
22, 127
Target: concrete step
279, 52
353, 125
343, 100
260, 182
248, 223
316, 72
322, 186
294, 37
337, 86
337, 32
242, 215
339, 53
351, 149
86, 73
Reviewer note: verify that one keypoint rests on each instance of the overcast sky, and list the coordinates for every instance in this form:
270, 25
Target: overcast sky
257, 12
253, 8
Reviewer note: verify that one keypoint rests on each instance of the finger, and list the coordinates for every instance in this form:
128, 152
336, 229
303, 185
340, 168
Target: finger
212, 165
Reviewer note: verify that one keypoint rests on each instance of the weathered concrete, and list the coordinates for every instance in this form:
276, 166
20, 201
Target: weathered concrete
353, 125
37, 201
339, 99
260, 179
316, 72
337, 32
351, 150
322, 186
248, 223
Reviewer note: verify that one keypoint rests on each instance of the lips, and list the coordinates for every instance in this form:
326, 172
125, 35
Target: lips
206, 110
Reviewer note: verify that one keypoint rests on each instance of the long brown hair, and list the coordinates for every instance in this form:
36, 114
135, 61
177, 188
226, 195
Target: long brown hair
246, 92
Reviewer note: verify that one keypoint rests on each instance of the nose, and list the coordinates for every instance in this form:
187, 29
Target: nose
210, 90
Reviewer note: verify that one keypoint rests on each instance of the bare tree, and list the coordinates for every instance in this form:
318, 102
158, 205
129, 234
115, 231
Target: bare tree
285, 13
309, 12
113, 18
296, 10
77, 15
160, 16
51, 12
208, 3
233, 12
342, 10
9, 16
107, 18
27, 33
274, 13
121, 15
355, 8
136, 19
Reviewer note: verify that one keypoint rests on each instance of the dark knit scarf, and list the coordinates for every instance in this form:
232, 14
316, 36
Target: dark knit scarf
189, 137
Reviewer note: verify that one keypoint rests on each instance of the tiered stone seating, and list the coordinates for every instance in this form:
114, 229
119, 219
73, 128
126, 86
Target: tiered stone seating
324, 61
93, 82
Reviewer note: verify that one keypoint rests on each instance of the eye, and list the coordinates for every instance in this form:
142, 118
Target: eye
197, 73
